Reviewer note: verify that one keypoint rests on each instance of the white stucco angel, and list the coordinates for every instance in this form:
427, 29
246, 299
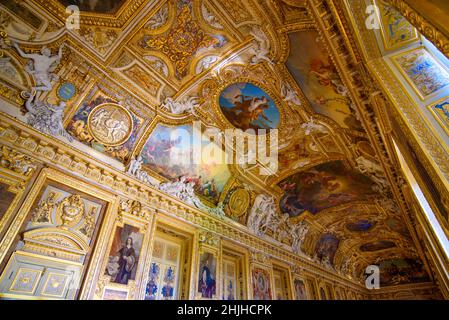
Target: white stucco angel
210, 17
325, 262
135, 165
46, 117
346, 267
178, 107
298, 232
312, 126
289, 95
182, 190
261, 214
205, 63
261, 50
42, 66
374, 171
278, 225
159, 19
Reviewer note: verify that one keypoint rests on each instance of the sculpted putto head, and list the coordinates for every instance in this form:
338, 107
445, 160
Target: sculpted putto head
45, 51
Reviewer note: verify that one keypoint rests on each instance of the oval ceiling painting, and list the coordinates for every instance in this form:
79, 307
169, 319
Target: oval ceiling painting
360, 226
377, 246
247, 106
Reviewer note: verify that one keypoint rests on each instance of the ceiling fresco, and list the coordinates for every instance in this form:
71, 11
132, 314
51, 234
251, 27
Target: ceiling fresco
324, 186
144, 78
168, 152
315, 72
247, 106
97, 6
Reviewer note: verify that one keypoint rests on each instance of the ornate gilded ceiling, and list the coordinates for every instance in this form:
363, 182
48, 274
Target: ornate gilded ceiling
128, 72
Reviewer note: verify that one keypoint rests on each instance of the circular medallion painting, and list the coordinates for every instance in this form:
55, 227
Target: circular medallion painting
66, 91
247, 106
110, 124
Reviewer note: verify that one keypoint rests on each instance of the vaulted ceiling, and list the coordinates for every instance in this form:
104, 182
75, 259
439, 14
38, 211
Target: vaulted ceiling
136, 54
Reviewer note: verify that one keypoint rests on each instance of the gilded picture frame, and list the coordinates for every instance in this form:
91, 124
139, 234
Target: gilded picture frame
256, 271
384, 32
208, 275
296, 296
440, 111
124, 223
444, 83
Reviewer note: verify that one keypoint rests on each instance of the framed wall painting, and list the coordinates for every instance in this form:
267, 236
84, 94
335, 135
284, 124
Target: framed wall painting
230, 279
440, 110
342, 292
124, 258
11, 189
300, 290
396, 31
322, 291
164, 277
261, 279
313, 294
207, 276
330, 291
168, 270
423, 72
208, 279
235, 270
282, 282
124, 254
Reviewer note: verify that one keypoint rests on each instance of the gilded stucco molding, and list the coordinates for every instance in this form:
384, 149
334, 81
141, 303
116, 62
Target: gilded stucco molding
119, 20
423, 25
402, 111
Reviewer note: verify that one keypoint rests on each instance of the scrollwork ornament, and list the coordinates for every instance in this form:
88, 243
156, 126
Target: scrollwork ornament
209, 238
70, 211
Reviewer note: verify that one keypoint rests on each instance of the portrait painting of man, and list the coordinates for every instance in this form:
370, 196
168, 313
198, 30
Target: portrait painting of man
207, 275
124, 254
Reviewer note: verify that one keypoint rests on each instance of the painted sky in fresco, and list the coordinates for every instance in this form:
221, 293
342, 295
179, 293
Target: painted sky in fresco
168, 151
317, 76
247, 106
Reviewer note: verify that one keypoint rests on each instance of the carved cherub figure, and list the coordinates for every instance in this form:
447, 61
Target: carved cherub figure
42, 66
